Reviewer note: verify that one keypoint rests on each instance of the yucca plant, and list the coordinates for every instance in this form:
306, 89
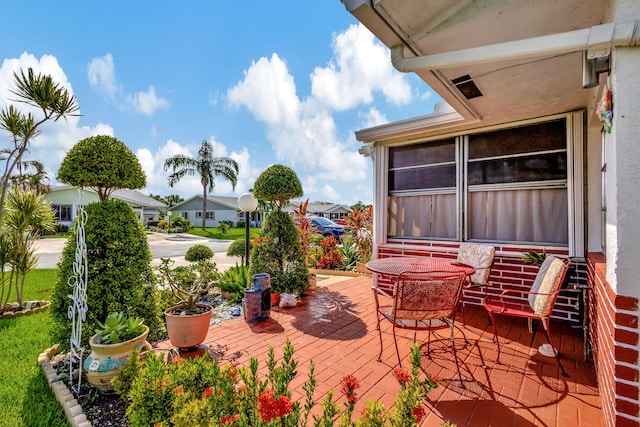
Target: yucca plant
534, 258
26, 216
236, 279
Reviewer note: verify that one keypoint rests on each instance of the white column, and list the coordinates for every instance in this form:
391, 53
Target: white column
623, 222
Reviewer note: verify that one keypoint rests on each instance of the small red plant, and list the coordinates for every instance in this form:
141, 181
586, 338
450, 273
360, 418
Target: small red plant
330, 258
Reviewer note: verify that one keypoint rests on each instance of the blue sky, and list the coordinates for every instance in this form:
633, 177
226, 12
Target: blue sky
266, 82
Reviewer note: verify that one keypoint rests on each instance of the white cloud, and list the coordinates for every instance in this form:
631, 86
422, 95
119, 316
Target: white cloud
361, 67
301, 132
329, 193
146, 102
372, 118
56, 138
102, 75
268, 91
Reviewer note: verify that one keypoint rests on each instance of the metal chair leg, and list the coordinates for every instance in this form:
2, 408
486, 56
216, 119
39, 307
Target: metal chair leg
495, 333
556, 351
395, 341
455, 354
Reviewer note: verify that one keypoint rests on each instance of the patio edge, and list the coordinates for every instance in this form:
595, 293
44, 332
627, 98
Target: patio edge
72, 409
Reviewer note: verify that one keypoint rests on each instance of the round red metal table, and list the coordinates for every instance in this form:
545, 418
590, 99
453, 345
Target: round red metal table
396, 265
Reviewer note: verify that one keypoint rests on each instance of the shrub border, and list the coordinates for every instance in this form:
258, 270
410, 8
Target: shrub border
12, 315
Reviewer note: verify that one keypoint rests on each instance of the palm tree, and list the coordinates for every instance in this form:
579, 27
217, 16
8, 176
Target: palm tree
54, 102
27, 181
207, 166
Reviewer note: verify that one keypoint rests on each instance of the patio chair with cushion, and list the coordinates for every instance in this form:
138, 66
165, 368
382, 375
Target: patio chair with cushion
480, 257
539, 303
420, 302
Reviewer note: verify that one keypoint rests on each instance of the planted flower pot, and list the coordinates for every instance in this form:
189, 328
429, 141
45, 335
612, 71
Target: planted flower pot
107, 360
186, 330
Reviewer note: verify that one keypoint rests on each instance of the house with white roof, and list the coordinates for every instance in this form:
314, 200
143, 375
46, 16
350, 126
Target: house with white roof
219, 208
66, 202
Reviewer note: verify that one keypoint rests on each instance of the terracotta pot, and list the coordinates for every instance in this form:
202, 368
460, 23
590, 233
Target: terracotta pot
275, 299
187, 331
107, 360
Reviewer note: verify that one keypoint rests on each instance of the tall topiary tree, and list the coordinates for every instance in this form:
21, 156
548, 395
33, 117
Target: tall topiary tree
277, 185
279, 251
120, 278
102, 163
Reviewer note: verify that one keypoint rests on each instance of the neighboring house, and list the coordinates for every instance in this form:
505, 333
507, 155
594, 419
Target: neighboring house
219, 208
537, 146
326, 210
66, 202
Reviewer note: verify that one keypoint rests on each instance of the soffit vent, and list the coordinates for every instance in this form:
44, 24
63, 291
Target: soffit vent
467, 87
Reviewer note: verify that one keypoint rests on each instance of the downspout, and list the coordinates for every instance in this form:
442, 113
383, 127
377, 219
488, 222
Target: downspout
597, 41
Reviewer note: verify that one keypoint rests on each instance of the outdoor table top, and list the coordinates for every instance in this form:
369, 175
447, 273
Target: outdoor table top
395, 266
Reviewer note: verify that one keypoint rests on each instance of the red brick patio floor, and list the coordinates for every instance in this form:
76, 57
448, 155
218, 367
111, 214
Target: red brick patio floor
336, 327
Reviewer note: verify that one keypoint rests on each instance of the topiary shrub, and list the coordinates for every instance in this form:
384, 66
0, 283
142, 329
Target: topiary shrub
236, 248
280, 252
277, 184
197, 253
120, 278
102, 163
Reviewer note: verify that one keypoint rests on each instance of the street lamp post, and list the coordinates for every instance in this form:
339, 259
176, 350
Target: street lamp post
169, 213
247, 203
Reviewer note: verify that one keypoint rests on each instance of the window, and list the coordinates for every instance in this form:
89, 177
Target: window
507, 185
208, 214
422, 190
62, 212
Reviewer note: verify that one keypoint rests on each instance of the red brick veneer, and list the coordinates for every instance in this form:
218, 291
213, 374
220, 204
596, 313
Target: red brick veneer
614, 337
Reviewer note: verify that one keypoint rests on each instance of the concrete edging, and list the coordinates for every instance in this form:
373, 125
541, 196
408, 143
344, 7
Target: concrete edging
72, 409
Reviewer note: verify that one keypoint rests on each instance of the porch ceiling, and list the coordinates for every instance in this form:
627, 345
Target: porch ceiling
513, 87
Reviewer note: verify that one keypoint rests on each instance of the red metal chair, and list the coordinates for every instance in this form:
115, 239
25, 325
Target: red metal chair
540, 300
480, 257
420, 302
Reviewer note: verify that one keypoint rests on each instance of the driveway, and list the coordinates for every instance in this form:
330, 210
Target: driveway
161, 246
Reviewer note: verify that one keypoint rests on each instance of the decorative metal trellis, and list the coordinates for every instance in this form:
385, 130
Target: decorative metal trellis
78, 283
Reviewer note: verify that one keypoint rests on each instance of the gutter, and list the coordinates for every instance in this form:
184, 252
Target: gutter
597, 41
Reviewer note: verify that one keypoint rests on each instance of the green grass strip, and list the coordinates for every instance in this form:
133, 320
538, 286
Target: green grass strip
232, 234
25, 396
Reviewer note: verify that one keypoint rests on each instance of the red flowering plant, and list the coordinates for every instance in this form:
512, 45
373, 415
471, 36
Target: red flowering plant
205, 392
330, 257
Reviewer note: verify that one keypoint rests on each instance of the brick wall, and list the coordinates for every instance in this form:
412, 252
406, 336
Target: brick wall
507, 272
614, 339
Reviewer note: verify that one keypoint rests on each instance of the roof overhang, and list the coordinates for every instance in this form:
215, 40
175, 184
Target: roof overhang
526, 59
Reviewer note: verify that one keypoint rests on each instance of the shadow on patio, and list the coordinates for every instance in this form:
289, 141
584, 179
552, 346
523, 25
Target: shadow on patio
335, 326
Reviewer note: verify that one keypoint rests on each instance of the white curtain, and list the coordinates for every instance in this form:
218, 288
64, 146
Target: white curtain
534, 215
431, 216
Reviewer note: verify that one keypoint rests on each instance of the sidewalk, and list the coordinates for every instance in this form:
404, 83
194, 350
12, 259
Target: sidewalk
172, 246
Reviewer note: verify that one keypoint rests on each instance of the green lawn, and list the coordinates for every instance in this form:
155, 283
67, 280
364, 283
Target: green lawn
25, 396
232, 234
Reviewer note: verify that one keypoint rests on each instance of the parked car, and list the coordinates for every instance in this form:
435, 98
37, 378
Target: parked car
342, 222
325, 226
